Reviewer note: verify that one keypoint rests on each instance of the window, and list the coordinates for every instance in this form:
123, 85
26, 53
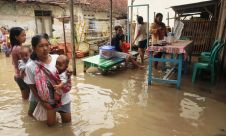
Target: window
43, 21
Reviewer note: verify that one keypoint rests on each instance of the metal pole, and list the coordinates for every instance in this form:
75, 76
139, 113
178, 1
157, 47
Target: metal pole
168, 18
128, 27
147, 26
110, 20
71, 4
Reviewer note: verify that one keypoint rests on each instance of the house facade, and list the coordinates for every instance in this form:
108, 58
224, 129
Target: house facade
34, 18
38, 16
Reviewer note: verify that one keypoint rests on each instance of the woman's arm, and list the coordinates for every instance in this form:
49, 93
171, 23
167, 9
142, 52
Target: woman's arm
35, 93
154, 29
16, 56
138, 34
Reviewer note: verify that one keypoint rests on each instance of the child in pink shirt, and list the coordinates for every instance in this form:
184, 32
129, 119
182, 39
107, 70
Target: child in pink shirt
17, 38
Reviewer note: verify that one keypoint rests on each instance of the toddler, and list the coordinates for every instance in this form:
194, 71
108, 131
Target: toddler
64, 76
25, 53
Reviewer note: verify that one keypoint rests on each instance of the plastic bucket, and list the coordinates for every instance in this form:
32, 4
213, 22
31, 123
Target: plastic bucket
106, 52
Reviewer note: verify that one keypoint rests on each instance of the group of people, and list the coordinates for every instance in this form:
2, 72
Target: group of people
158, 31
43, 78
4, 41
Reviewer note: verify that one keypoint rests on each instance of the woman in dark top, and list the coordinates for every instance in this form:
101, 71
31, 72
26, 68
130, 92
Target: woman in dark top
117, 38
117, 41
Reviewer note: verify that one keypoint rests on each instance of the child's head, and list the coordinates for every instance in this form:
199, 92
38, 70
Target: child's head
118, 30
3, 30
62, 63
17, 36
25, 53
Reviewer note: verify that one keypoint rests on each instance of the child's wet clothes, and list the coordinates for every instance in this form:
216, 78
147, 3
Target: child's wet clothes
22, 64
66, 82
51, 67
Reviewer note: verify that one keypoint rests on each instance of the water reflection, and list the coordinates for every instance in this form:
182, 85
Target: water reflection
119, 104
94, 106
190, 106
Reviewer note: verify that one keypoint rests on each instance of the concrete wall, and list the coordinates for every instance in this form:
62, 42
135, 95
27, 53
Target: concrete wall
17, 14
101, 21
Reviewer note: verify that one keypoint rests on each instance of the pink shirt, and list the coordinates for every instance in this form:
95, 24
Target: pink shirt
15, 58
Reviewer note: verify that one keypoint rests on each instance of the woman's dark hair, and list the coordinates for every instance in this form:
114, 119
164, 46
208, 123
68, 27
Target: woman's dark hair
140, 20
117, 27
46, 36
160, 23
158, 15
13, 32
34, 42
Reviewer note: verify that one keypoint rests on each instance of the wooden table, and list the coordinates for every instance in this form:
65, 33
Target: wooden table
179, 48
103, 64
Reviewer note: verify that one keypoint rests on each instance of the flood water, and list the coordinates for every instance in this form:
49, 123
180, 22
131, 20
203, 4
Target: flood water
120, 104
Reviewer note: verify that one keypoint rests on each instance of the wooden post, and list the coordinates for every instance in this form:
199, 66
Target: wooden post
65, 45
110, 20
71, 4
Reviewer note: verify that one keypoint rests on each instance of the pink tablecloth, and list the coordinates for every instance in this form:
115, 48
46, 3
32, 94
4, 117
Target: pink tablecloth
178, 47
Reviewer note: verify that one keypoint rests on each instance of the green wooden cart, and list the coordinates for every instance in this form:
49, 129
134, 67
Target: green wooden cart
103, 64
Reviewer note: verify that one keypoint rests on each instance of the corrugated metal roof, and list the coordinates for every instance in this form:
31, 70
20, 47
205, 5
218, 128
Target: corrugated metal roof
195, 7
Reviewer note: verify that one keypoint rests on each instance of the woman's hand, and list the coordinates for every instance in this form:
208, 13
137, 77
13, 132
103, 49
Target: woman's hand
46, 105
58, 87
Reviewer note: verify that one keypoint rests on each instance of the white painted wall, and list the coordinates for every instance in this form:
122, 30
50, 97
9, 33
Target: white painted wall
22, 15
17, 14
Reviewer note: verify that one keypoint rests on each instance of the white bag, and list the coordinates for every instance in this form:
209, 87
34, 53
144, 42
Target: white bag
40, 112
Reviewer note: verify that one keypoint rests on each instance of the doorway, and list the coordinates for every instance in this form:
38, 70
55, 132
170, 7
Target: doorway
43, 20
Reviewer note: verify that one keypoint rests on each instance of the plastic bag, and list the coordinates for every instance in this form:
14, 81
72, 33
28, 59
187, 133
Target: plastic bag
40, 113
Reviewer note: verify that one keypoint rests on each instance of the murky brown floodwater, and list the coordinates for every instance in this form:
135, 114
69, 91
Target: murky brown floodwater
120, 104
